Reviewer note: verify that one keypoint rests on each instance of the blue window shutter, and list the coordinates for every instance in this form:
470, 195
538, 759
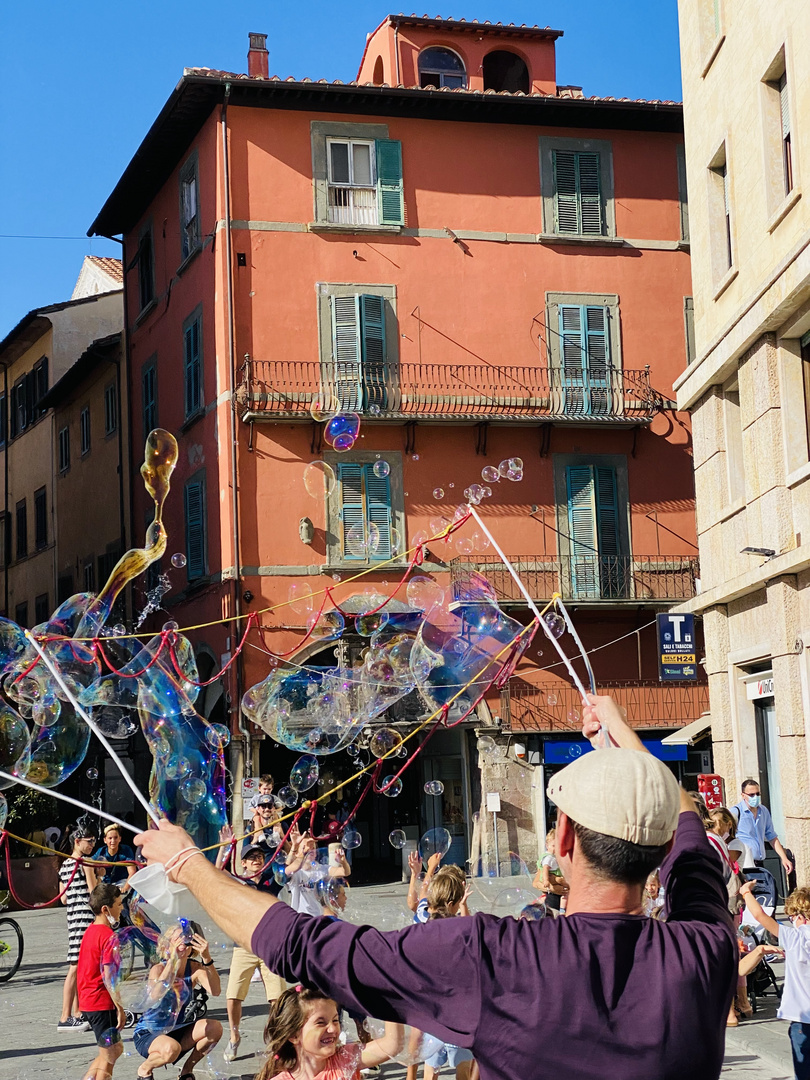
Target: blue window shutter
582, 530
597, 353
195, 529
192, 368
607, 510
390, 193
352, 508
572, 348
372, 331
346, 352
378, 495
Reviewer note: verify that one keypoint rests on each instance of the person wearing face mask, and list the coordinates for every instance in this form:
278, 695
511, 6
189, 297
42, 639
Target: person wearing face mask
755, 826
104, 1017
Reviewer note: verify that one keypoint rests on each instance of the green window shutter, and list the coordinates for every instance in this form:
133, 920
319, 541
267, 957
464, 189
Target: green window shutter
607, 510
378, 495
577, 192
566, 192
352, 508
597, 363
590, 194
689, 327
372, 333
390, 192
582, 530
572, 348
195, 529
193, 396
346, 352
149, 393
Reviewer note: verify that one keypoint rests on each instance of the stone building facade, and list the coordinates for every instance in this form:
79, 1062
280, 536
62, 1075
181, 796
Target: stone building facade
746, 88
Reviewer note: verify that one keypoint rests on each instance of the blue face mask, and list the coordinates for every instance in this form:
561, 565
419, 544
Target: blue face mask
754, 801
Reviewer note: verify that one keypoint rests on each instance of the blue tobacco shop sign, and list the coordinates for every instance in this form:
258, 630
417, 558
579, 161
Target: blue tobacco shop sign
677, 658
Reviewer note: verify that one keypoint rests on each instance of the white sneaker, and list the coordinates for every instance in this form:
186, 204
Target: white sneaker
231, 1050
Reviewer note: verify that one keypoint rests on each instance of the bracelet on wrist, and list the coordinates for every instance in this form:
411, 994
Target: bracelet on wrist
206, 963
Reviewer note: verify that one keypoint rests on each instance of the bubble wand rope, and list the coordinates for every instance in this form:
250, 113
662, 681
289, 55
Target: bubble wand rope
93, 727
585, 659
67, 799
533, 608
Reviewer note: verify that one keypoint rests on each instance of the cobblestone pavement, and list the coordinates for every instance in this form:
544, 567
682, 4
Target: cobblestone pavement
32, 1049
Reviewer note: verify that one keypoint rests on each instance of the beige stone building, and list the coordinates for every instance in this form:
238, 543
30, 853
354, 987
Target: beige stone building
746, 84
34, 355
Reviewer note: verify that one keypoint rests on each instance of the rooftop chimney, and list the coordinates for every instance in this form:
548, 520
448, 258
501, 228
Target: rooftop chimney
258, 56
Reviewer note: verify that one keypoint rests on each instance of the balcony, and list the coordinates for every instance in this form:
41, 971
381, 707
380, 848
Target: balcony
557, 706
286, 390
636, 579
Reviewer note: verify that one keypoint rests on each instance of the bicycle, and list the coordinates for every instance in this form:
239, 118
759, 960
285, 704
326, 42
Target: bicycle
11, 943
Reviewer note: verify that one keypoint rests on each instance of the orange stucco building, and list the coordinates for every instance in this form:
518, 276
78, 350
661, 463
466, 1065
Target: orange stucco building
482, 265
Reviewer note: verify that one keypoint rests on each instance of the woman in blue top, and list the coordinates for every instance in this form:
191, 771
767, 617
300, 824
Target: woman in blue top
113, 851
160, 1046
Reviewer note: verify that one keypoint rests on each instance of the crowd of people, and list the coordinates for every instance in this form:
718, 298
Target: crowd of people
639, 926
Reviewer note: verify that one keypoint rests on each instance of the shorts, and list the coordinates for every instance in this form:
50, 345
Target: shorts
143, 1037
450, 1056
105, 1026
243, 964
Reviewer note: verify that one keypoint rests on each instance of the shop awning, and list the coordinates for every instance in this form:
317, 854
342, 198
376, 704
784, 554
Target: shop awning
690, 734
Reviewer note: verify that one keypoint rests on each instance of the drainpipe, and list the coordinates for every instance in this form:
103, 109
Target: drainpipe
237, 595
6, 511
396, 53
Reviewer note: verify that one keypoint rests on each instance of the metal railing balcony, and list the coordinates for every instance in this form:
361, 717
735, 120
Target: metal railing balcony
555, 706
287, 389
588, 578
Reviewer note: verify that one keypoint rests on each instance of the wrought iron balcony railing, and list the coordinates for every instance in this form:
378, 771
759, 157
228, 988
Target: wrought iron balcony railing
555, 706
287, 389
585, 578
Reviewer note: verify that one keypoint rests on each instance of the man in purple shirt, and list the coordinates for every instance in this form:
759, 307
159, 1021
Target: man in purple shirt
604, 992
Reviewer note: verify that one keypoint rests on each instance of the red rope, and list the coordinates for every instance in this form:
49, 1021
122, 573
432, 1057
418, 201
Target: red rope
136, 674
251, 619
22, 903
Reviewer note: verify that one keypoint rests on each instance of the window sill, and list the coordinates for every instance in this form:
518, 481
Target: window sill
784, 209
342, 567
144, 313
579, 238
725, 281
715, 49
190, 421
192, 255
341, 227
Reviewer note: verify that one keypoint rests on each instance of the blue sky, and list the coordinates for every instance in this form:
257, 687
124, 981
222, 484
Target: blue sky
85, 81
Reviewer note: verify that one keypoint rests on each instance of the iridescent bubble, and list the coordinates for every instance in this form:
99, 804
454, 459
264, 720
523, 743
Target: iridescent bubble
288, 796
420, 538
414, 457
512, 902
171, 627
177, 766
554, 624
381, 468
115, 723
423, 593
416, 1045
438, 525
573, 716
552, 699
300, 598
319, 479
434, 787
178, 560
464, 545
15, 745
92, 774
373, 537
343, 443
193, 790
510, 464
534, 912
474, 494
4, 812
373, 410
486, 746
397, 839
435, 840
490, 474
351, 839
396, 542
487, 491
392, 786
356, 541
366, 625
384, 741
438, 494
327, 626
304, 773
217, 736
343, 426
323, 406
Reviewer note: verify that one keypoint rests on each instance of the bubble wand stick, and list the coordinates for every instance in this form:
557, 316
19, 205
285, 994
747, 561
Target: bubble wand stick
67, 799
46, 660
533, 607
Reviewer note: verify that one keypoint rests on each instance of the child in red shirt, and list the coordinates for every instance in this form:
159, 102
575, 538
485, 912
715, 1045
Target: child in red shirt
105, 1018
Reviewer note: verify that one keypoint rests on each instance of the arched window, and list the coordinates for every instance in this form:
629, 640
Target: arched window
441, 67
505, 71
378, 71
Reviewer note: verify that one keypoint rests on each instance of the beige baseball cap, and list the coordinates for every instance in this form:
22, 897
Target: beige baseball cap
628, 794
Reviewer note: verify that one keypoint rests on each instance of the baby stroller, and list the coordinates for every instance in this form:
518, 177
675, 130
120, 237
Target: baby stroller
761, 980
197, 1009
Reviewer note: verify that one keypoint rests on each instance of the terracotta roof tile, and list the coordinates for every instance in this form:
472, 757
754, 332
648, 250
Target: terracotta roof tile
112, 267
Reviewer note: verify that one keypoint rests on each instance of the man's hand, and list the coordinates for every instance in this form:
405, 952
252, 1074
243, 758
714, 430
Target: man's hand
788, 865
601, 712
163, 843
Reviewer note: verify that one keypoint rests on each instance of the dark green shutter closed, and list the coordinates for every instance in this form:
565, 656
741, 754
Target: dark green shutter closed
372, 330
195, 529
577, 192
365, 500
193, 397
390, 193
597, 568
347, 352
378, 498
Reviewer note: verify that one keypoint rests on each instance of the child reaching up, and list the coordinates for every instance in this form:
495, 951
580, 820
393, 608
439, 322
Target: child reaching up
795, 940
549, 878
302, 1040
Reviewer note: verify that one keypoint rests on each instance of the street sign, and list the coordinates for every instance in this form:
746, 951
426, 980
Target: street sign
710, 786
676, 647
250, 787
494, 802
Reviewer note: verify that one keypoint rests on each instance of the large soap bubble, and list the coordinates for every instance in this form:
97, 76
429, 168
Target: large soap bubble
15, 745
397, 839
319, 479
417, 1045
435, 841
3, 812
304, 773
